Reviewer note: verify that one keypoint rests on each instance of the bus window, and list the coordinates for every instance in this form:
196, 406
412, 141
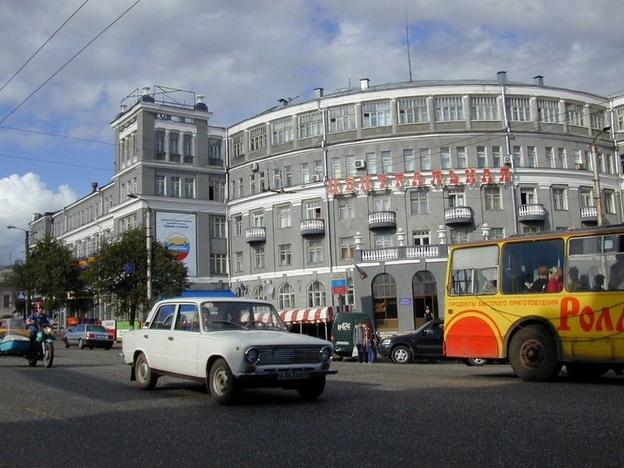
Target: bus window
474, 271
522, 261
598, 261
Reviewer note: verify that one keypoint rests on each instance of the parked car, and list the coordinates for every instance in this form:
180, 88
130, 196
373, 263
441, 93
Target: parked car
87, 335
228, 343
423, 343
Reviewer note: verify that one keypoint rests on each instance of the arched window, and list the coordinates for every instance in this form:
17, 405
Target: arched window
316, 294
258, 293
425, 296
385, 302
285, 296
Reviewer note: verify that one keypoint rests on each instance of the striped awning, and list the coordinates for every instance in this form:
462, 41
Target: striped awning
313, 315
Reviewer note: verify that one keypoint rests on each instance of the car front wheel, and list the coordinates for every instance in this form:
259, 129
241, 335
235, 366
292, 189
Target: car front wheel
401, 355
146, 378
221, 383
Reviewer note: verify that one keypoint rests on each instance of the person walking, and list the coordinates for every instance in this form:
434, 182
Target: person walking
359, 341
369, 340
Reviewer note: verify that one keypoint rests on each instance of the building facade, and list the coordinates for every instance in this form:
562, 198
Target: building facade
353, 197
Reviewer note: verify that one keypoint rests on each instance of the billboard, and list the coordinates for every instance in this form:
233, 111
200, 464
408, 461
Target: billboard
177, 231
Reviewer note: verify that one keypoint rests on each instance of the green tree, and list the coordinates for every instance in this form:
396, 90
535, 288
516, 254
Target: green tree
120, 270
51, 272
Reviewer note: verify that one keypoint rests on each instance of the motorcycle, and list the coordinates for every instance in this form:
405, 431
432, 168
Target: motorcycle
15, 340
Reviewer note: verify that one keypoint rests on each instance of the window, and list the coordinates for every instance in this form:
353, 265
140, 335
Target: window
383, 241
238, 225
217, 227
350, 165
257, 219
174, 144
386, 162
620, 119
597, 118
336, 168
189, 187
527, 196
560, 199
346, 210
462, 160
318, 168
562, 162
497, 156
574, 114
342, 119
459, 236
550, 157
282, 131
445, 158
285, 297
315, 251
419, 201
413, 111
288, 176
218, 264
586, 197
548, 110
310, 125
257, 138
532, 156
609, 201
448, 109
481, 157
347, 248
216, 190
408, 160
425, 159
305, 173
238, 262
518, 109
187, 147
381, 204
258, 253
161, 184
175, 187
455, 197
484, 108
421, 237
493, 200
376, 114
285, 254
276, 183
159, 145
237, 145
283, 217
371, 163
316, 294
312, 209
517, 156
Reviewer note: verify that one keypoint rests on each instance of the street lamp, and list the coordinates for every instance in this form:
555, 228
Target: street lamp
26, 257
148, 241
597, 194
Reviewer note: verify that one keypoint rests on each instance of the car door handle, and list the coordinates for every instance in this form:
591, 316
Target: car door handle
170, 338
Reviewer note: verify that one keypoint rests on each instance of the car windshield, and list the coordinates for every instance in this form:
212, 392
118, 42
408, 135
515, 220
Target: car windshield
223, 315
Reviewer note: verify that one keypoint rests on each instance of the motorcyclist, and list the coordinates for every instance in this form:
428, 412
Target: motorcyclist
36, 321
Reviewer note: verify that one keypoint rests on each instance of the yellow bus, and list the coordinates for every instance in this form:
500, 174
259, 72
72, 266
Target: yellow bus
542, 301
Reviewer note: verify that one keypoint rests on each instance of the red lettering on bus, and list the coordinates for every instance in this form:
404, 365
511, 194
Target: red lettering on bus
569, 308
604, 320
620, 323
587, 318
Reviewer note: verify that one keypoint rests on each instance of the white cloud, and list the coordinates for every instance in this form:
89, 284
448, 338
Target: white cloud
20, 197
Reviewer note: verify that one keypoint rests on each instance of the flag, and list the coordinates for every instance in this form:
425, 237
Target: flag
361, 272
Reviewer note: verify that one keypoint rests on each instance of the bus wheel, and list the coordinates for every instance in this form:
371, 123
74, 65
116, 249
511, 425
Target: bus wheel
533, 354
585, 371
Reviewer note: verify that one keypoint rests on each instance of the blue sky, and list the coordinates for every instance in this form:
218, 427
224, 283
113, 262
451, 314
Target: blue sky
55, 114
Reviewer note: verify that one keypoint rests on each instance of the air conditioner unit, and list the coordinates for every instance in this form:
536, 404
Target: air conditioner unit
316, 178
254, 166
578, 166
507, 159
360, 164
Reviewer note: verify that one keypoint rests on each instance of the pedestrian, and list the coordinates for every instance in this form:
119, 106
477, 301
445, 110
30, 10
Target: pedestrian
428, 315
370, 343
358, 341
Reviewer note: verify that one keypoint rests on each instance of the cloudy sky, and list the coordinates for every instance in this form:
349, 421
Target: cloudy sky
65, 66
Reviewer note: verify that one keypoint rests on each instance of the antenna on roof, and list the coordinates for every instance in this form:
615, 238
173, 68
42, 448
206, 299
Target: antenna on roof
409, 60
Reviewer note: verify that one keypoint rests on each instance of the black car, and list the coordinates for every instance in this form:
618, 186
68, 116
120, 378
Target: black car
425, 342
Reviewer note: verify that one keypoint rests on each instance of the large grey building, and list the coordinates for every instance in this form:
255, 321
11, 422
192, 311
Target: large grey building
352, 197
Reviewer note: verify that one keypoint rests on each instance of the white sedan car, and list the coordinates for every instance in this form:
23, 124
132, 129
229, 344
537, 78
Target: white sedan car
229, 343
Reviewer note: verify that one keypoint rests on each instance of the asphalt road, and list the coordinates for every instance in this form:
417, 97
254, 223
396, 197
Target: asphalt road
84, 411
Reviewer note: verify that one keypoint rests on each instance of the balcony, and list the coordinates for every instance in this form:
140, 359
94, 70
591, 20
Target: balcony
382, 220
254, 235
589, 214
531, 213
312, 227
458, 215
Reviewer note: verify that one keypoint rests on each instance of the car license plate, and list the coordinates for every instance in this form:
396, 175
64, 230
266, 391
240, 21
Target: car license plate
292, 374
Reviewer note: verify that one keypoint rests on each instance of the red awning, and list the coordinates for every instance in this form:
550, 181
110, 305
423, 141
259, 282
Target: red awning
314, 315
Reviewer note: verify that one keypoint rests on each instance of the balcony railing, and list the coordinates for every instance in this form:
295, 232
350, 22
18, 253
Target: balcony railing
531, 213
255, 234
312, 227
404, 252
382, 220
458, 215
589, 214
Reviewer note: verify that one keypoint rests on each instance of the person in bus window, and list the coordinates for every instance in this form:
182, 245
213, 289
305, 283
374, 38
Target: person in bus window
555, 282
616, 272
598, 283
539, 285
574, 283
584, 280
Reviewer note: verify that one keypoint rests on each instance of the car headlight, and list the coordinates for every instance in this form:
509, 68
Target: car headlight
325, 354
385, 342
252, 355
